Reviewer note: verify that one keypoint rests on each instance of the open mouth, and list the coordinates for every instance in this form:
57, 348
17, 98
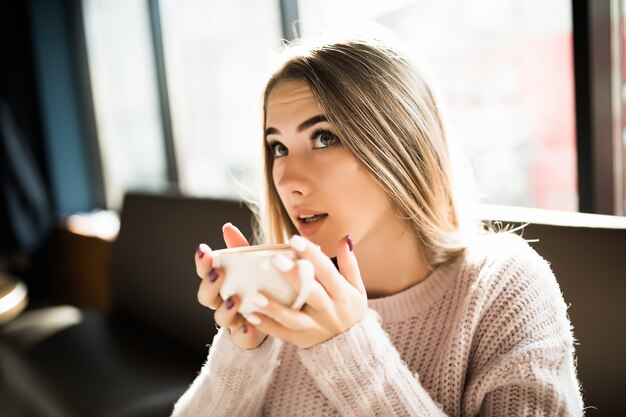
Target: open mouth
311, 218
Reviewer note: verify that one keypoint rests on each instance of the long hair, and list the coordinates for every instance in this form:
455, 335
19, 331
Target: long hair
385, 114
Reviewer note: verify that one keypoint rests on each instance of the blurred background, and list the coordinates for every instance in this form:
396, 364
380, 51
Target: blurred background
99, 98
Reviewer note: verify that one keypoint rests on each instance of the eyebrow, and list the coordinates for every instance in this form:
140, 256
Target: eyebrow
302, 126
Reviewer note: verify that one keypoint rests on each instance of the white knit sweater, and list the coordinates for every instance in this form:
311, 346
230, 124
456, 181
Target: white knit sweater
486, 334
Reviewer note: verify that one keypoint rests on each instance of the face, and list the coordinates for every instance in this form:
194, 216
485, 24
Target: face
321, 185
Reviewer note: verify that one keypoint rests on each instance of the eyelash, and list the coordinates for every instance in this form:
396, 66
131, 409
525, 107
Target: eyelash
273, 146
320, 132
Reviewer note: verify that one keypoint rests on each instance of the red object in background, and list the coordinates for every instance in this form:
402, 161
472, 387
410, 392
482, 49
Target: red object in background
554, 173
547, 94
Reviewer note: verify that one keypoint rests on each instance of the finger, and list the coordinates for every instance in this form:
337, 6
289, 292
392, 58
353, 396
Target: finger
245, 329
325, 272
268, 326
348, 265
226, 313
203, 260
208, 292
233, 236
236, 323
285, 316
250, 331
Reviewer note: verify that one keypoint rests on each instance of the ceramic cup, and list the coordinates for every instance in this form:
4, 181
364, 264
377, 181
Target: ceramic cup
250, 269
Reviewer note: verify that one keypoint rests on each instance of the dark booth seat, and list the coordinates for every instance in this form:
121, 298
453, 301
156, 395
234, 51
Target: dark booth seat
137, 360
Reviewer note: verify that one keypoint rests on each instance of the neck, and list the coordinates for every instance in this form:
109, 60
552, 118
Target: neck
392, 261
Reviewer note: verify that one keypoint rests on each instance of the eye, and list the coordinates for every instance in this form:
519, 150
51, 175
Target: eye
278, 149
324, 139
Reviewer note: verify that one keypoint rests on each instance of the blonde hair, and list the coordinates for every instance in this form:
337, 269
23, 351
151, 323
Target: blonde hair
385, 114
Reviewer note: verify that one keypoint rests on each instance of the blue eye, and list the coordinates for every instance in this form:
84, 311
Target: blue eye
278, 149
324, 139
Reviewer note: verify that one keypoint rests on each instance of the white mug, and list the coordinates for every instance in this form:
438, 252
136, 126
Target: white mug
249, 269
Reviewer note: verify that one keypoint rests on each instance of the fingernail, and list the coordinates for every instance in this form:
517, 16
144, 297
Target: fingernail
259, 300
213, 274
254, 320
244, 328
229, 303
349, 241
226, 225
283, 263
200, 251
298, 243
306, 269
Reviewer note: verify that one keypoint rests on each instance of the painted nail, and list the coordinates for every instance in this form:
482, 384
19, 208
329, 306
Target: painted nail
306, 269
283, 263
213, 274
259, 300
200, 251
349, 241
244, 328
254, 320
298, 243
229, 303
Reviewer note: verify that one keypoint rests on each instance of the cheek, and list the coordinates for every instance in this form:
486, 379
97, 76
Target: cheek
360, 195
276, 176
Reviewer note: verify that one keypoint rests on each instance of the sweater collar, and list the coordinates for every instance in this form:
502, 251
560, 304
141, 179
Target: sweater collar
418, 298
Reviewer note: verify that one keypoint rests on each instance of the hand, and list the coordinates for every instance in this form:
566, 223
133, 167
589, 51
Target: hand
243, 334
336, 302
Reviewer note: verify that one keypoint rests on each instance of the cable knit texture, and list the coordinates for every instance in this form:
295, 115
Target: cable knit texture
486, 334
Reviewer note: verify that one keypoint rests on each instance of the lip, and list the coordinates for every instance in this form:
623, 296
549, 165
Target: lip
308, 229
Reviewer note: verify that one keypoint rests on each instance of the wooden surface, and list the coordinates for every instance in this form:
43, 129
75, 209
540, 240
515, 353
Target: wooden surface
81, 270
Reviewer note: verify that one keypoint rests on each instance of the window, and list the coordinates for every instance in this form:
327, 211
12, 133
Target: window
505, 70
217, 56
122, 71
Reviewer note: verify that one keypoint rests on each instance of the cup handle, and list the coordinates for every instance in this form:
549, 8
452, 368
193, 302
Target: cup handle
215, 259
307, 276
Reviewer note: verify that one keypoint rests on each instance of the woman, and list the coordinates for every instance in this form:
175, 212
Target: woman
423, 316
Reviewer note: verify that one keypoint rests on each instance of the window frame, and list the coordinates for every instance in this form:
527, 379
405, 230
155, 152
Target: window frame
598, 84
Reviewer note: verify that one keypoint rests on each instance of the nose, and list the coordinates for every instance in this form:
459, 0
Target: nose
293, 178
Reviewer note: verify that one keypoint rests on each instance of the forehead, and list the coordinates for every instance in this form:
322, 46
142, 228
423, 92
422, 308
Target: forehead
291, 100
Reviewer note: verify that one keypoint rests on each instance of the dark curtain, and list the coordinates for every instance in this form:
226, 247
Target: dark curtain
24, 200
26, 212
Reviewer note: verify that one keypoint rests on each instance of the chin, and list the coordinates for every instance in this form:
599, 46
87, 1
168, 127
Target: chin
331, 252
328, 245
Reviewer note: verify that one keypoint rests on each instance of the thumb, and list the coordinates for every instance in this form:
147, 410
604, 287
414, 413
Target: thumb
348, 265
233, 236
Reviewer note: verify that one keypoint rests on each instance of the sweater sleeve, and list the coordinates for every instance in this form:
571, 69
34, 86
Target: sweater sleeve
233, 381
522, 358
361, 373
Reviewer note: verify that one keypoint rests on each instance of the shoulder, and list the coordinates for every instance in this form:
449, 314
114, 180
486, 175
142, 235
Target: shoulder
512, 289
505, 272
520, 336
505, 256
501, 247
